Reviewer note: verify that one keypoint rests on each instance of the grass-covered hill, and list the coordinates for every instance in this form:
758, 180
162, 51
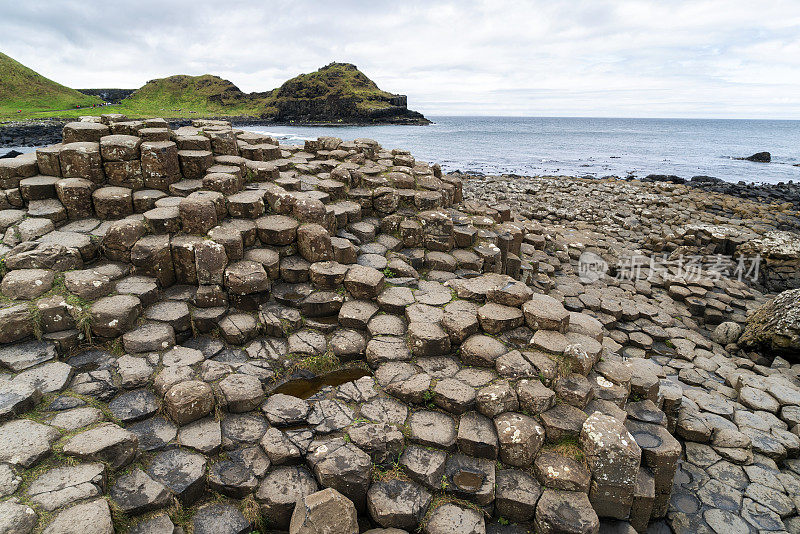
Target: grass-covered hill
24, 89
178, 95
336, 93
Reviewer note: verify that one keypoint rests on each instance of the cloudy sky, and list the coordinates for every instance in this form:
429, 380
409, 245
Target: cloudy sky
611, 58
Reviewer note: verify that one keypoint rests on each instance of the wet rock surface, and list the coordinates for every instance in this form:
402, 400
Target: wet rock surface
339, 338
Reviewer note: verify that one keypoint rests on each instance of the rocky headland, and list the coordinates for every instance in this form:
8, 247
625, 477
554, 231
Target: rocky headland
338, 93
205, 331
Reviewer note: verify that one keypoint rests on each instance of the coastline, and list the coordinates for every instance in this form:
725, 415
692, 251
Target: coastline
468, 297
756, 192
40, 132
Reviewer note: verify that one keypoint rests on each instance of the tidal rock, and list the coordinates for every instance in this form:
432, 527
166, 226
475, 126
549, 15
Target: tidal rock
760, 157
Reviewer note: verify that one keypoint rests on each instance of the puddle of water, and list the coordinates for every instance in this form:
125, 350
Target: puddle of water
469, 480
304, 388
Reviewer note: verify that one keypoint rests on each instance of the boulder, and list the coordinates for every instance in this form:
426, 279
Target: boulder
760, 157
188, 401
726, 333
775, 326
324, 511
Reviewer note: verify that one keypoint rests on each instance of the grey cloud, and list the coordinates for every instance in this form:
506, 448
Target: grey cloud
579, 57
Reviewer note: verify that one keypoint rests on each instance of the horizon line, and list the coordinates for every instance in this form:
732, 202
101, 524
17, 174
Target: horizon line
470, 115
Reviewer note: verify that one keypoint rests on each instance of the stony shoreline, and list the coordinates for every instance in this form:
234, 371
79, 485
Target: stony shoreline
201, 327
30, 133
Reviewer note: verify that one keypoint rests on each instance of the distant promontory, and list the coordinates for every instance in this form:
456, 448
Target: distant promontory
338, 93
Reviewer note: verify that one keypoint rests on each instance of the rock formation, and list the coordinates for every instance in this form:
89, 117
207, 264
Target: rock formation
221, 333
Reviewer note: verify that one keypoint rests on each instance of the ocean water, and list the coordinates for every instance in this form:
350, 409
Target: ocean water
593, 147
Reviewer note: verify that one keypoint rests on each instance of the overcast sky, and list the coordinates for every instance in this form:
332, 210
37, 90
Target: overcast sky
611, 58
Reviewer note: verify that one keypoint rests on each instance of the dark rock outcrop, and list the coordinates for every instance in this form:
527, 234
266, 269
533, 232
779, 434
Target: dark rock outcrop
113, 96
759, 157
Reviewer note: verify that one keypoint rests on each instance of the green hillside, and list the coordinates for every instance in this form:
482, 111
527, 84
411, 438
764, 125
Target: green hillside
24, 89
336, 93
336, 81
184, 95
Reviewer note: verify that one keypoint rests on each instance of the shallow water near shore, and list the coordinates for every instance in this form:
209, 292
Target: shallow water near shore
583, 147
593, 147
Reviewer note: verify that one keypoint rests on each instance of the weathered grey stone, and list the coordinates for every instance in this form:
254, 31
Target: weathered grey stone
344, 467
231, 478
188, 401
565, 512
182, 472
324, 511
26, 283
283, 410
453, 519
107, 443
241, 392
64, 485
397, 503
93, 517
136, 493
520, 438
17, 518
24, 442
433, 429
204, 435
516, 495
280, 490
482, 351
220, 518
17, 398
21, 356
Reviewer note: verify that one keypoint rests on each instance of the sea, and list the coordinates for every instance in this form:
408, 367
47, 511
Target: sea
586, 147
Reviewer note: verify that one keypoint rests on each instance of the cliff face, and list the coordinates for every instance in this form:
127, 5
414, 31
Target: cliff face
338, 92
114, 96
